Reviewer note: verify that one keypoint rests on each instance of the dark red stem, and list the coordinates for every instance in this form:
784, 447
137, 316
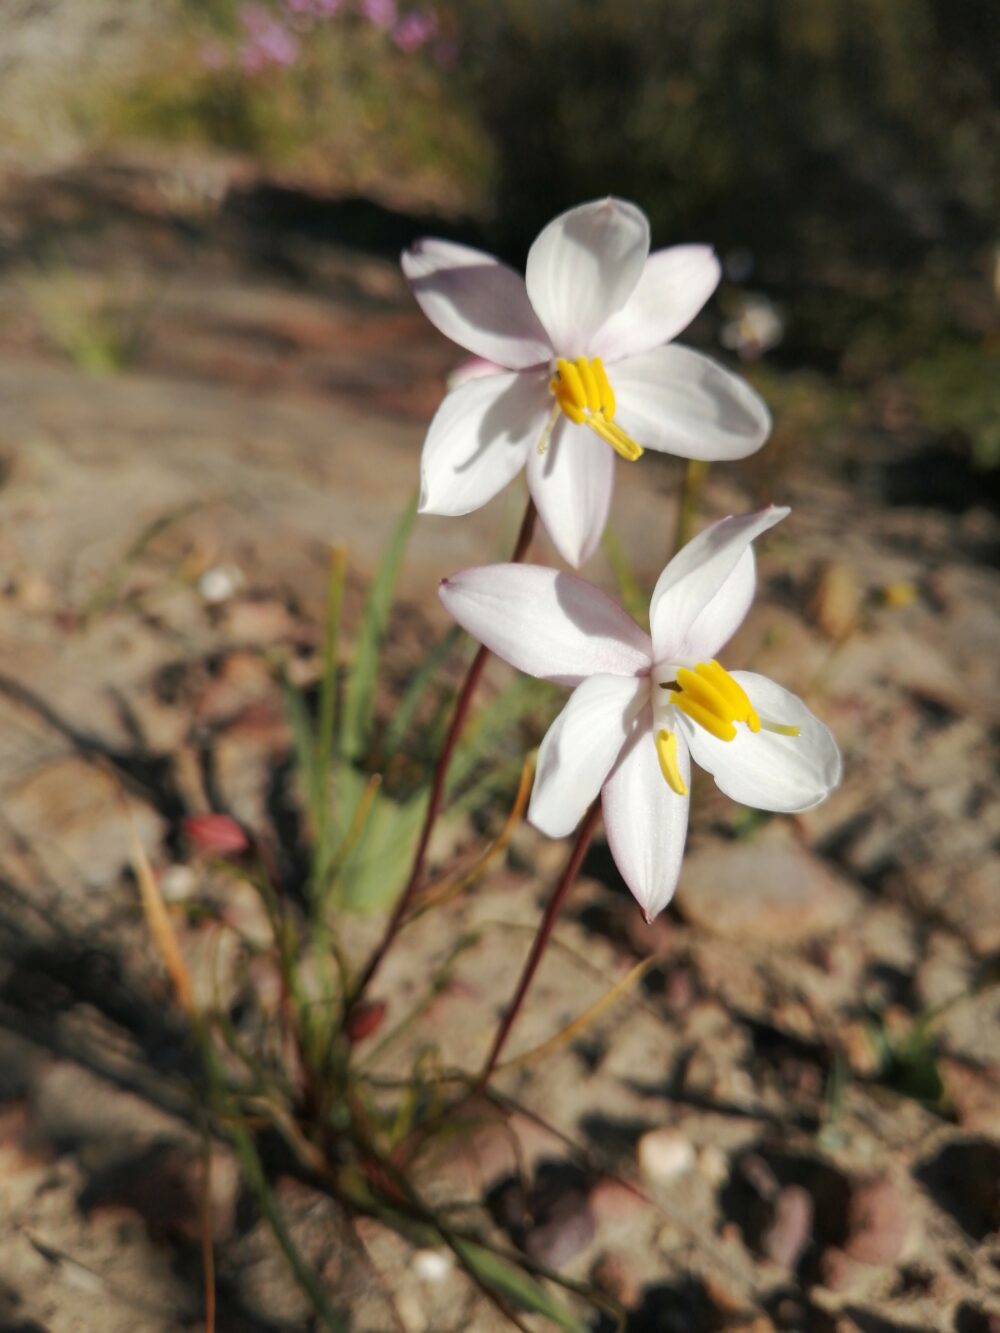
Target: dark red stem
462, 706
566, 880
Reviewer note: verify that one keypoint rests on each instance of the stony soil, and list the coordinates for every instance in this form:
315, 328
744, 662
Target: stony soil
760, 1137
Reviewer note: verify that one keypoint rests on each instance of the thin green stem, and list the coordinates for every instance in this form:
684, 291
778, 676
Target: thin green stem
695, 473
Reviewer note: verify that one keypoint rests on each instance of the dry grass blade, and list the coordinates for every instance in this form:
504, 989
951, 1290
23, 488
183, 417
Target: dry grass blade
452, 885
157, 918
581, 1023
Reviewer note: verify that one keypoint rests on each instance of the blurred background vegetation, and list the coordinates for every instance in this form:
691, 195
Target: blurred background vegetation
843, 156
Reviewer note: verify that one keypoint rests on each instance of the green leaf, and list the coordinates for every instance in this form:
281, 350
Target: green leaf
372, 870
327, 718
498, 1273
359, 696
487, 740
406, 709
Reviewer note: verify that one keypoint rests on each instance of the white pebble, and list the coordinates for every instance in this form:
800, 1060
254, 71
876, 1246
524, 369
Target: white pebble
177, 883
665, 1155
219, 583
433, 1265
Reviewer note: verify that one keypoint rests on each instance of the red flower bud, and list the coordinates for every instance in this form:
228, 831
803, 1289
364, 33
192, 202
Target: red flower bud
364, 1020
216, 835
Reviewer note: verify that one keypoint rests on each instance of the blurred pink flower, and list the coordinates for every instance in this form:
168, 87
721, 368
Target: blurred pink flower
313, 9
415, 30
256, 19
268, 43
379, 13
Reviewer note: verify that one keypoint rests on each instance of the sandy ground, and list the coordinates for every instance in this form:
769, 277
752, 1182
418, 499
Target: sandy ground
803, 1168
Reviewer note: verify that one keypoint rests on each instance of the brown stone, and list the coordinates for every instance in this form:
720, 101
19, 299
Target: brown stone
767, 891
790, 1230
878, 1222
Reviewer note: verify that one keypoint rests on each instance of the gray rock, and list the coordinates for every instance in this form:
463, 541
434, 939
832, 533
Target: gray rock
765, 891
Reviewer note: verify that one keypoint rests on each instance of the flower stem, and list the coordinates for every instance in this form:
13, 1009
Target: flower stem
565, 883
462, 705
695, 472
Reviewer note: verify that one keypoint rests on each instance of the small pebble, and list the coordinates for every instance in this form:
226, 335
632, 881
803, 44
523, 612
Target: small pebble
177, 883
878, 1222
791, 1228
713, 1164
615, 1273
219, 583
665, 1155
433, 1265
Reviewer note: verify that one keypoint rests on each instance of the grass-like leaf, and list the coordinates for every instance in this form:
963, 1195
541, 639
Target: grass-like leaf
406, 710
486, 740
359, 696
371, 871
254, 1175
517, 1286
324, 747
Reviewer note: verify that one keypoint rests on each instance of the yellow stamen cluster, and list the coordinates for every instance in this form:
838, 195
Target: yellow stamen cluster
711, 697
582, 390
666, 752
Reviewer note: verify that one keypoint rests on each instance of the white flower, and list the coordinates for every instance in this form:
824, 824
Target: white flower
643, 706
580, 370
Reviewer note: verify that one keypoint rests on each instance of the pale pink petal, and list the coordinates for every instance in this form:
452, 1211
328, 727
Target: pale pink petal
580, 747
571, 484
479, 439
472, 368
546, 623
706, 589
764, 770
680, 402
583, 267
674, 286
477, 302
646, 821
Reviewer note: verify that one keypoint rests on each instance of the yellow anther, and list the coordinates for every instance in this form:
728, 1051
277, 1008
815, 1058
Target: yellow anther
666, 752
616, 437
694, 686
781, 728
569, 391
589, 381
625, 445
743, 709
581, 389
710, 697
712, 723
605, 389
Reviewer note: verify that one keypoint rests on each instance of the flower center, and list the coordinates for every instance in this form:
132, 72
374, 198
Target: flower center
709, 696
582, 391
